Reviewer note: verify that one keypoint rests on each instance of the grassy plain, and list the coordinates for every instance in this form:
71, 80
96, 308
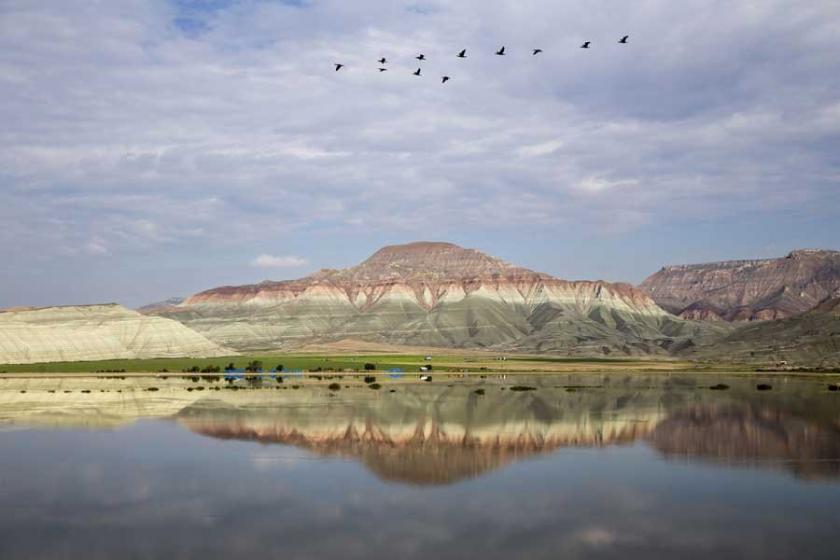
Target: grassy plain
409, 363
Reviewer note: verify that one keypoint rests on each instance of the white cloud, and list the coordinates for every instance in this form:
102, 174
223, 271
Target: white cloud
599, 184
271, 261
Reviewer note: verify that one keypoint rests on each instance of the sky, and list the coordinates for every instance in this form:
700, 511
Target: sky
156, 148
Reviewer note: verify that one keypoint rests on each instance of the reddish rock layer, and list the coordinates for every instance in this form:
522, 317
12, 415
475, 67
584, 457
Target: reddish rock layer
751, 290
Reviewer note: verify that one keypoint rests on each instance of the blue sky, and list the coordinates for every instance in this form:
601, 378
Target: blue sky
156, 148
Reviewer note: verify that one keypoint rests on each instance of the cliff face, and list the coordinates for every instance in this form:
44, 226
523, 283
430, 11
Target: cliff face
95, 332
747, 290
434, 294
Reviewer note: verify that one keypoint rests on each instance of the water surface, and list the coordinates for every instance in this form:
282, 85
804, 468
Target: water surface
579, 467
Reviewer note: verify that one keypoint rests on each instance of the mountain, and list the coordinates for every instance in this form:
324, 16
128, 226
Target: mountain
747, 290
148, 308
811, 338
439, 294
95, 332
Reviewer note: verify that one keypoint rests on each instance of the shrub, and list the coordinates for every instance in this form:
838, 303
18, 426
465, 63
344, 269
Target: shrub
370, 379
719, 387
375, 386
254, 365
152, 389
334, 387
279, 367
522, 388
370, 367
479, 391
764, 387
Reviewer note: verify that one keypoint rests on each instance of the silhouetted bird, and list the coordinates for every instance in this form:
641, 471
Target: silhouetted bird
444, 79
586, 45
383, 60
421, 56
383, 69
338, 67
417, 73
624, 39
501, 52
537, 51
462, 54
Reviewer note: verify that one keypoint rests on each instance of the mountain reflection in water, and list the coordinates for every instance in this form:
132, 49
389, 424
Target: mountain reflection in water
426, 435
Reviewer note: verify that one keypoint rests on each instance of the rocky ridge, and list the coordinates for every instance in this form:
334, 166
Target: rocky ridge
747, 290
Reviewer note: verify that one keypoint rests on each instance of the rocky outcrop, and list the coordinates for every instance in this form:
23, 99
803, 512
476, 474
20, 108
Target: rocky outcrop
809, 339
747, 290
95, 332
436, 294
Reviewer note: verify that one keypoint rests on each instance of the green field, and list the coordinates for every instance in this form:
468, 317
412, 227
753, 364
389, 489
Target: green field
289, 363
409, 363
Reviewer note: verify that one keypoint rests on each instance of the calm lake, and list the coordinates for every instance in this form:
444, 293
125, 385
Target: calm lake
571, 466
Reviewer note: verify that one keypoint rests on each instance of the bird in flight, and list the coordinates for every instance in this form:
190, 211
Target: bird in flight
421, 56
417, 73
537, 51
444, 79
338, 67
383, 69
501, 52
586, 45
383, 60
462, 54
624, 39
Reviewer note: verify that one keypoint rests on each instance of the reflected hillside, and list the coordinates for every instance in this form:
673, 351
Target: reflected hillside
428, 435
751, 435
431, 435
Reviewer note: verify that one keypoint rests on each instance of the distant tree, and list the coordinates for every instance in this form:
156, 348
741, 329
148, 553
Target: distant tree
230, 367
279, 367
254, 365
370, 367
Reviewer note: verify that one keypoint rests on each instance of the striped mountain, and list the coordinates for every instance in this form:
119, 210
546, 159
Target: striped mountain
439, 294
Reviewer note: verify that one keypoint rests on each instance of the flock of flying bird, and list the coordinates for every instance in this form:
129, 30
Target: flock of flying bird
463, 54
